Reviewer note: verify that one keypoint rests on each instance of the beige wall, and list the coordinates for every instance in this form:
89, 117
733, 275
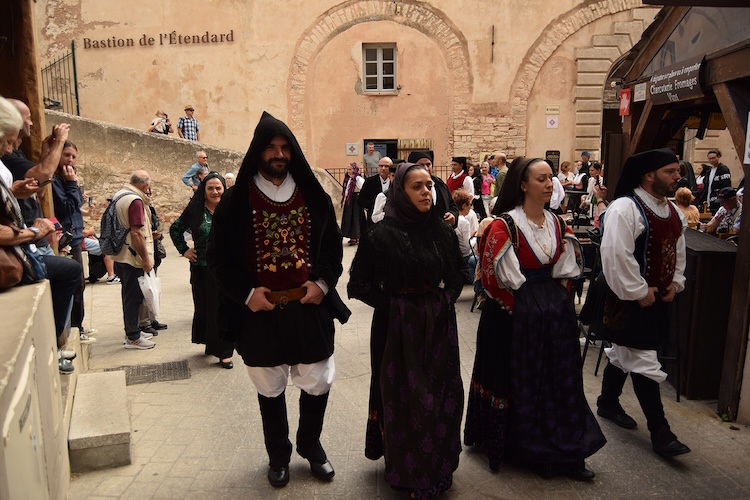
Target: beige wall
301, 61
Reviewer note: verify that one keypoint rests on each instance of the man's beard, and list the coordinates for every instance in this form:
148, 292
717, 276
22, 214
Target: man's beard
275, 171
662, 188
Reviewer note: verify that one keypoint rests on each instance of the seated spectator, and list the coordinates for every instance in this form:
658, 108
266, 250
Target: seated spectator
728, 217
683, 198
63, 274
463, 201
191, 178
566, 176
160, 124
90, 244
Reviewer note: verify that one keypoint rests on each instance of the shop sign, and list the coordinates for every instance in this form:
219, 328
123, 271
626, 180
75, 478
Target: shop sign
679, 82
640, 92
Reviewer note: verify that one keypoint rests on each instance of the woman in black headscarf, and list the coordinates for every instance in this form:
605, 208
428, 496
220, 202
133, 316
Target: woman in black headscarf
416, 394
197, 218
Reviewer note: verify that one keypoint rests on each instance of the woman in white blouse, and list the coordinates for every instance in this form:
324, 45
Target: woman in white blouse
526, 401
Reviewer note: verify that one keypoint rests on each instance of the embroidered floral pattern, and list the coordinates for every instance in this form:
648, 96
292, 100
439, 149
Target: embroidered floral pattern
283, 240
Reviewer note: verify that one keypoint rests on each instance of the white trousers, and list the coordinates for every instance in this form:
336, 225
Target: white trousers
641, 361
315, 379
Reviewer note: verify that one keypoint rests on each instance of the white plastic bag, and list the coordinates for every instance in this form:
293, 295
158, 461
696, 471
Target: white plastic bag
151, 287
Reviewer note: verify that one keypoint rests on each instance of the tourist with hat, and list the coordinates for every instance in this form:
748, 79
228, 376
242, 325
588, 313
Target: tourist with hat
727, 219
187, 126
643, 265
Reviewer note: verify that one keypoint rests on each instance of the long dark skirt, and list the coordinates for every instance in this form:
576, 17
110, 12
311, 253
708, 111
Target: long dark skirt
527, 403
422, 393
350, 218
205, 302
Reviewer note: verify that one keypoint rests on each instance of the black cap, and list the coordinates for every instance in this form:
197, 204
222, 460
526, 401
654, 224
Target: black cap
415, 156
640, 164
726, 194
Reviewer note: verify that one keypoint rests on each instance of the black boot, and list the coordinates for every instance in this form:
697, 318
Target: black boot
608, 403
312, 410
276, 436
663, 440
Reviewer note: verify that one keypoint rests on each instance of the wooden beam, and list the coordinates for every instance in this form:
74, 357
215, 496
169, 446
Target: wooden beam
657, 39
644, 129
734, 99
728, 67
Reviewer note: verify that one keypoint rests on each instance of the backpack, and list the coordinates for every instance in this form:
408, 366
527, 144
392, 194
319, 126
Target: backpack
113, 233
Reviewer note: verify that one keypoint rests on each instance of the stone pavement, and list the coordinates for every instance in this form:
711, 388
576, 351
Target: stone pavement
201, 437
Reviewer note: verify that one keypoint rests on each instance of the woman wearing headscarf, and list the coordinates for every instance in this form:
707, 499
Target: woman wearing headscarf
350, 217
198, 218
526, 401
409, 269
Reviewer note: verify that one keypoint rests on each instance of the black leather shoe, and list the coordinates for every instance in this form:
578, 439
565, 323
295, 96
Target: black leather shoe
583, 474
279, 477
619, 417
671, 449
150, 330
158, 326
226, 364
322, 470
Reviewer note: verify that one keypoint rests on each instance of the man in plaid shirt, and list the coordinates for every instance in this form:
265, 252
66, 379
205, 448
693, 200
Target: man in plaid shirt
188, 127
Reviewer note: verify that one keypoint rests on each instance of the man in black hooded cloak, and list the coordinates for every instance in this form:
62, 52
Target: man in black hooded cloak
275, 248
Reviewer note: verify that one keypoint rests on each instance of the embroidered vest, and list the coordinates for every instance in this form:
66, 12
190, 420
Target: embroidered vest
456, 183
281, 232
656, 248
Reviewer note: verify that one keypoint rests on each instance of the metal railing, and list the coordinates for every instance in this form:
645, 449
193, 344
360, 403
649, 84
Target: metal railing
60, 83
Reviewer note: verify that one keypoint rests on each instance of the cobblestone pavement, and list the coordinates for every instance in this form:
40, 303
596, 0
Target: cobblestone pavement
201, 437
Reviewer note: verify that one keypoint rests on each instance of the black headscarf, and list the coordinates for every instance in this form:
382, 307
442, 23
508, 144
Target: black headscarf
398, 205
267, 128
640, 164
511, 195
192, 216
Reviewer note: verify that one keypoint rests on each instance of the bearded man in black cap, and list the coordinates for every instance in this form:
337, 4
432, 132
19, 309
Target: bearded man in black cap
276, 250
643, 261
441, 195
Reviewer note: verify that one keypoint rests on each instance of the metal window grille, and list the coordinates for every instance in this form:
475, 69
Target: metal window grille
60, 83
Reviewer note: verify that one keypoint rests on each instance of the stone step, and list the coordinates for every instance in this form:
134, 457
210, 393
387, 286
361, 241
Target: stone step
100, 432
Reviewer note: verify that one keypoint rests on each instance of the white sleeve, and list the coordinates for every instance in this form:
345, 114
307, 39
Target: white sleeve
378, 211
360, 182
623, 224
558, 193
508, 270
679, 271
462, 233
567, 266
469, 185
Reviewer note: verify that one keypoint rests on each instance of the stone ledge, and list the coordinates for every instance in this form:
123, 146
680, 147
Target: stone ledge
99, 435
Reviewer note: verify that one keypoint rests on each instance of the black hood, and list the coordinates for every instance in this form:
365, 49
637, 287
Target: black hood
267, 128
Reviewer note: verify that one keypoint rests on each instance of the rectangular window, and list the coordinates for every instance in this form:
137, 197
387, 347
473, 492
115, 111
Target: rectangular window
379, 67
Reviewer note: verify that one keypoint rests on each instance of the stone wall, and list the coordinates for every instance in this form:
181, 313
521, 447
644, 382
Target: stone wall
108, 154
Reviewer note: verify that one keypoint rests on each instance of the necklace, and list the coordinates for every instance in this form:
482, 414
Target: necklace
542, 246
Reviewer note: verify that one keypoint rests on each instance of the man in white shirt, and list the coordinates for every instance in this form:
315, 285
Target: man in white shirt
643, 261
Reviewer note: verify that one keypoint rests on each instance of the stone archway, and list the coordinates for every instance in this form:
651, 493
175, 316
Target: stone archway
554, 35
421, 17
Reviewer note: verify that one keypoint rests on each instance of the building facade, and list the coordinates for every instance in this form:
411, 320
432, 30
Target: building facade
459, 77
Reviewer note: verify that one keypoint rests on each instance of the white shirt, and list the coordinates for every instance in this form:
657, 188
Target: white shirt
468, 184
558, 194
473, 221
378, 211
280, 194
711, 181
6, 175
623, 224
463, 233
384, 184
543, 241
